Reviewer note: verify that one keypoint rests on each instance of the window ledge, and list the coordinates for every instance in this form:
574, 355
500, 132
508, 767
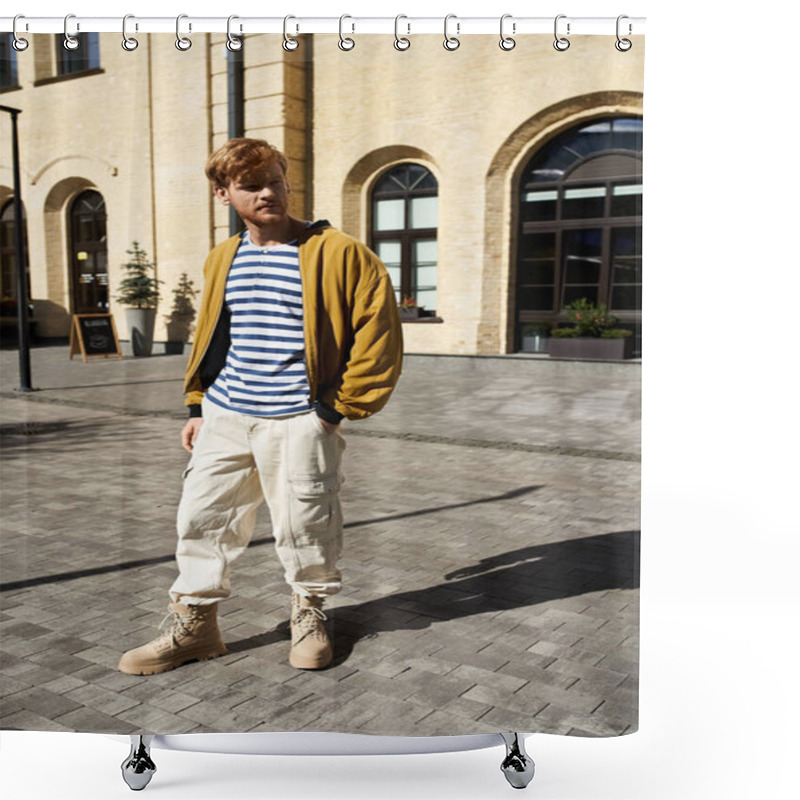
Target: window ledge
13, 88
69, 76
419, 320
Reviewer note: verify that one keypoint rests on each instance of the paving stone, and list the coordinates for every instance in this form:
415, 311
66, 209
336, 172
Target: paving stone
454, 576
28, 721
44, 703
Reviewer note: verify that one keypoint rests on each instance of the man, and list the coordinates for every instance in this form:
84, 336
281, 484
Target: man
298, 328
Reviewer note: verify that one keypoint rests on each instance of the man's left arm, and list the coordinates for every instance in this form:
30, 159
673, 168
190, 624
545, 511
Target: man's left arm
376, 356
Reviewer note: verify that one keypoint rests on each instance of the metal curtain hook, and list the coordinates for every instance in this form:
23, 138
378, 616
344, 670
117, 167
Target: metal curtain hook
289, 44
623, 45
234, 43
128, 42
70, 42
506, 42
560, 43
345, 42
182, 42
451, 42
19, 44
400, 42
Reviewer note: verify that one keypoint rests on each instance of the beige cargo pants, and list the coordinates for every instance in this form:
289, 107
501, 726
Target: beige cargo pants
237, 462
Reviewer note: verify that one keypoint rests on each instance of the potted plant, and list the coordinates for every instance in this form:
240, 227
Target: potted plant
409, 309
139, 291
180, 319
591, 335
535, 337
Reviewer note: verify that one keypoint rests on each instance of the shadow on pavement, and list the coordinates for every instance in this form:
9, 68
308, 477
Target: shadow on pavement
517, 579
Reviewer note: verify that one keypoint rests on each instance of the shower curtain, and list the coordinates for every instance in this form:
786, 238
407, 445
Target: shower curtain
490, 510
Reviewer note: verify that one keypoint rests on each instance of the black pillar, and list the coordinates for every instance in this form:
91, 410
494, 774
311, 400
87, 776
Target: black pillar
235, 115
23, 332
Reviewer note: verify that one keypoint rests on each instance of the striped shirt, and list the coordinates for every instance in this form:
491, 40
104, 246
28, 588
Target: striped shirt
265, 370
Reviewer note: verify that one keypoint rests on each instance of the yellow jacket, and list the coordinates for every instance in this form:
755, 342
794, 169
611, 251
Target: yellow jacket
353, 336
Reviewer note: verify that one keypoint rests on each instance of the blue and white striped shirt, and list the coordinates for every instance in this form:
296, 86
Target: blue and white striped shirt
265, 370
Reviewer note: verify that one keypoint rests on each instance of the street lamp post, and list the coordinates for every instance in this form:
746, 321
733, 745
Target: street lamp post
22, 284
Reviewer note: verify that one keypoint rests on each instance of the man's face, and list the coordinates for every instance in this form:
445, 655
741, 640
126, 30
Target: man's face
260, 198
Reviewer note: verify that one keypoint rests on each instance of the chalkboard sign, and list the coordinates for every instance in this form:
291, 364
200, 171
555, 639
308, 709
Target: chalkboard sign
93, 335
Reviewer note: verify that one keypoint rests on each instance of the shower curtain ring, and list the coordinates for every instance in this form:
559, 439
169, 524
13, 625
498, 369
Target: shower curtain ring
400, 42
70, 42
234, 43
506, 42
345, 42
289, 44
560, 43
19, 44
451, 42
183, 43
128, 42
623, 45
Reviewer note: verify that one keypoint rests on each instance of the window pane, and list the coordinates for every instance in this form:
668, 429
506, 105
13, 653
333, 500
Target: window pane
584, 203
627, 268
539, 205
538, 245
424, 256
582, 250
8, 61
535, 298
86, 56
537, 259
424, 212
389, 253
626, 200
573, 293
425, 252
626, 298
426, 298
537, 272
419, 177
627, 134
390, 215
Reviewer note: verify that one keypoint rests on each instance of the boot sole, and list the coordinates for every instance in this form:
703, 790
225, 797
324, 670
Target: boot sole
299, 663
157, 669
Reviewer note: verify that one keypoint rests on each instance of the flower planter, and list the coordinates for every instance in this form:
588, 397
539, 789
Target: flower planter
408, 313
591, 349
141, 322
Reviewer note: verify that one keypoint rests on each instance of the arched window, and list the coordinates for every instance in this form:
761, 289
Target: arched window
89, 257
580, 209
405, 212
8, 256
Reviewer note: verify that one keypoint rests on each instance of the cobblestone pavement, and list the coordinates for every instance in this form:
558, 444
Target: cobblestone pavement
490, 565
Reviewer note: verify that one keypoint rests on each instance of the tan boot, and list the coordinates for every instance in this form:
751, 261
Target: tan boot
194, 636
311, 647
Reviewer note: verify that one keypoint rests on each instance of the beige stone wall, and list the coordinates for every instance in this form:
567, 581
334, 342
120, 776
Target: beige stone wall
275, 109
458, 112
128, 133
140, 133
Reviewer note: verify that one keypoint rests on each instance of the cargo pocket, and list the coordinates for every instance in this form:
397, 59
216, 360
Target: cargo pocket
312, 507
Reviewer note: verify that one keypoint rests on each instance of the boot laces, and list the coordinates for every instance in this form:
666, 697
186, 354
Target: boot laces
179, 626
307, 622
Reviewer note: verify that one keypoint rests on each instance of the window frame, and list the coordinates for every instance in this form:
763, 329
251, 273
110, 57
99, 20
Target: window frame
407, 235
559, 227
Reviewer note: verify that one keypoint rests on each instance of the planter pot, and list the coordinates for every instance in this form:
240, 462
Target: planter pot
408, 313
591, 349
141, 323
173, 348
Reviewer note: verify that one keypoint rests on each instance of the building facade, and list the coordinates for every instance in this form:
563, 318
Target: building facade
496, 186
